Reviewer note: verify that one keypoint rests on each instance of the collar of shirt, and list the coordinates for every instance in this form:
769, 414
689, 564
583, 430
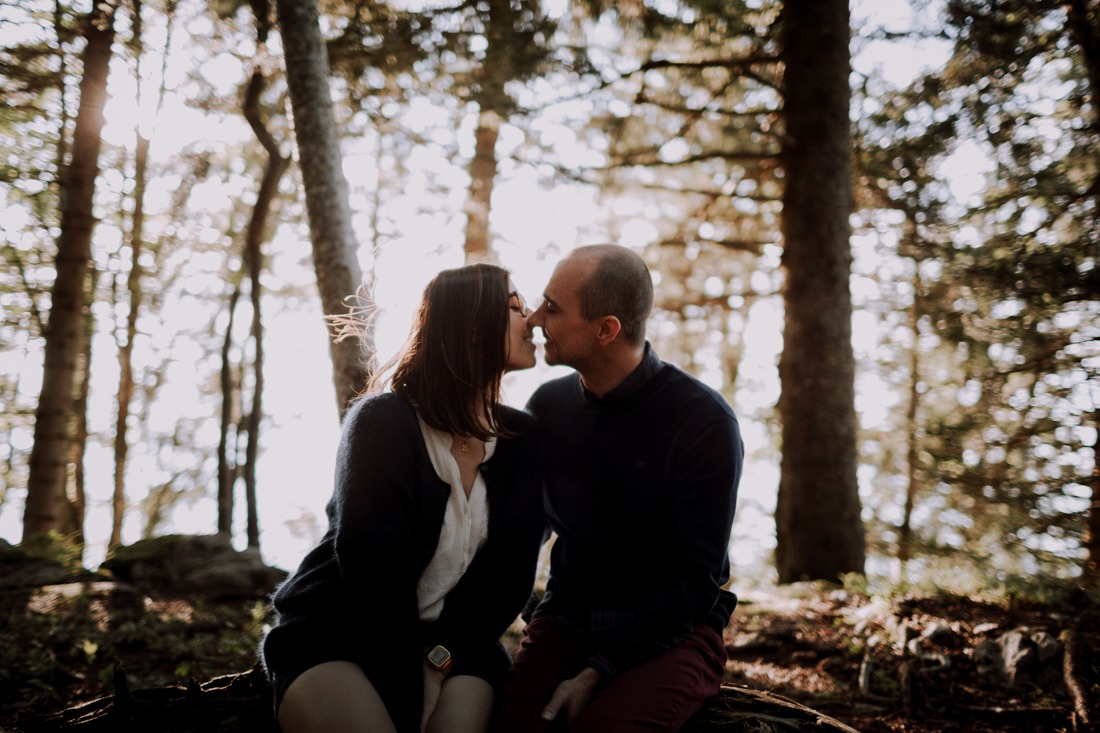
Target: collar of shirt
641, 376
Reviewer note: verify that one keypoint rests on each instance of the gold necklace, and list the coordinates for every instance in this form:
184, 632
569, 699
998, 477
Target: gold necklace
465, 445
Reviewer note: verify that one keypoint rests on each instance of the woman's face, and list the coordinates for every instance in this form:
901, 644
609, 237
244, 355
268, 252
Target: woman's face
521, 349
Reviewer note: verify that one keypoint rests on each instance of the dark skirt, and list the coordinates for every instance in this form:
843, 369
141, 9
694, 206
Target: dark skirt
288, 650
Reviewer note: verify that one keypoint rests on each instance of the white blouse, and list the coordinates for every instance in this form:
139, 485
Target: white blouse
465, 525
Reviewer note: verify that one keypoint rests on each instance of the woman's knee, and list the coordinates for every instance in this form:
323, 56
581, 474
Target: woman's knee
333, 696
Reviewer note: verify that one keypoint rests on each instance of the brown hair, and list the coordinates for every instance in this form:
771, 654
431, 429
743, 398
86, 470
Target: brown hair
619, 285
454, 358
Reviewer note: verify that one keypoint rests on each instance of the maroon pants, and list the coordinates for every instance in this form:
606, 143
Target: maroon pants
659, 695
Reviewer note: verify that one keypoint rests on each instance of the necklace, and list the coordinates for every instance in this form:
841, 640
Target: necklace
466, 445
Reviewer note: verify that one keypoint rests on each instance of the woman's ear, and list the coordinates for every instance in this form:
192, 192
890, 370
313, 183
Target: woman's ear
609, 329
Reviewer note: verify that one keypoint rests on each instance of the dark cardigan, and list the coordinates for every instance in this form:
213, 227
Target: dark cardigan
354, 595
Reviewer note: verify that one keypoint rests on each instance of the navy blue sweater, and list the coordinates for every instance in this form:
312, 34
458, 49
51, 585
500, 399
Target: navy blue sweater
641, 488
354, 595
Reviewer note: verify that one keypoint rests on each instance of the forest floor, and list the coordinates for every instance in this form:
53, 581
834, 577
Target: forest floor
877, 664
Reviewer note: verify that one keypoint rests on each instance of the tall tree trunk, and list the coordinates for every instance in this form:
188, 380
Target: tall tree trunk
334, 246
126, 343
819, 530
257, 226
134, 279
1084, 23
912, 451
52, 429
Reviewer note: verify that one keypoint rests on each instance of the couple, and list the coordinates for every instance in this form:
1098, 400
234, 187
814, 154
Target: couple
443, 495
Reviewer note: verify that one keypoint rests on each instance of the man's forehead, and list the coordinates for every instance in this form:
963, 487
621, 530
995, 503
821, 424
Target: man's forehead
566, 278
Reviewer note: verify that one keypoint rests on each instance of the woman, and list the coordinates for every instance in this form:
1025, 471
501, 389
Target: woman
434, 529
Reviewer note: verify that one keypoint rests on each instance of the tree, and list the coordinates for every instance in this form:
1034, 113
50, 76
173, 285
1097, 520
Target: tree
64, 337
515, 36
818, 524
334, 248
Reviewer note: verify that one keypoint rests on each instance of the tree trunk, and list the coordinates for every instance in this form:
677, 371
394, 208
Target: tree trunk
227, 471
1092, 532
819, 530
257, 226
75, 501
912, 449
52, 430
326, 190
1085, 29
483, 171
126, 345
492, 111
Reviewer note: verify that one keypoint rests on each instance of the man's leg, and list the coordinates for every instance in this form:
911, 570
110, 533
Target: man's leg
547, 655
662, 694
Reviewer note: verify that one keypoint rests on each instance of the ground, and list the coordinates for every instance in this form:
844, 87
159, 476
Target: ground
840, 653
877, 664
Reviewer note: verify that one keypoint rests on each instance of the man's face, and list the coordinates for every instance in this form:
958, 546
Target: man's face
570, 338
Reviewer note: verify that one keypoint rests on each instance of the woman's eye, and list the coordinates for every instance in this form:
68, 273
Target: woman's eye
516, 309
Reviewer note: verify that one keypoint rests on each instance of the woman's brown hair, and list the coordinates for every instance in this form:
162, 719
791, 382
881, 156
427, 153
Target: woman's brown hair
452, 363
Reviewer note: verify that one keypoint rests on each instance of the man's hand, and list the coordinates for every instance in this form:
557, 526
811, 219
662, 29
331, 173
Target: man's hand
572, 696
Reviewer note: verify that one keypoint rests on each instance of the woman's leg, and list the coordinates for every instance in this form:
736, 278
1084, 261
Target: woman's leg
334, 696
465, 705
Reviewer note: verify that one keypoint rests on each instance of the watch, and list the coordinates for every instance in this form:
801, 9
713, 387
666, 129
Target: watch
440, 658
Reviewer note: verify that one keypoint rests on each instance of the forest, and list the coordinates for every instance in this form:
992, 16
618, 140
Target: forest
873, 226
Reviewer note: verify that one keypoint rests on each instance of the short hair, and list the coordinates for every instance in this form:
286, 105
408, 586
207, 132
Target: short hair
619, 285
457, 350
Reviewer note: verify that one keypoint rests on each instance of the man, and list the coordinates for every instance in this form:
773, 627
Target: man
643, 463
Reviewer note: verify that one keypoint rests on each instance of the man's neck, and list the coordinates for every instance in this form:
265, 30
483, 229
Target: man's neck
604, 377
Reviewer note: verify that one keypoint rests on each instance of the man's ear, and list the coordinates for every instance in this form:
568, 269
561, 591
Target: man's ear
609, 329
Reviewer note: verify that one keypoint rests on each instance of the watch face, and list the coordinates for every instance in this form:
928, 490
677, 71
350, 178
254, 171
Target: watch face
438, 657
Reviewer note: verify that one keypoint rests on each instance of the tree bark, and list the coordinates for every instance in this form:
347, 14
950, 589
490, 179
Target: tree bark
64, 339
334, 247
818, 524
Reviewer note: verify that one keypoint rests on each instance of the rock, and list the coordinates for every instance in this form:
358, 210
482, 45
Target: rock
19, 570
204, 565
1018, 657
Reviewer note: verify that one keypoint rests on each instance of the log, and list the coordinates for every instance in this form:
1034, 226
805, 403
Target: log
241, 703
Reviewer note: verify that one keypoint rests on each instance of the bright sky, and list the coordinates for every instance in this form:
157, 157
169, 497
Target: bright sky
534, 226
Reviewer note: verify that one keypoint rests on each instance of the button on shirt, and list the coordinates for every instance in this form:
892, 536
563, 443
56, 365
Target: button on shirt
465, 525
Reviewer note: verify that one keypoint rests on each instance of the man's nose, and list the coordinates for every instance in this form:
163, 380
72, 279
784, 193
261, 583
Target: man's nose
535, 319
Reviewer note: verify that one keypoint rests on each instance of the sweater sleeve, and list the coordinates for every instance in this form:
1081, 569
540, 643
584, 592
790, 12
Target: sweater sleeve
686, 585
373, 510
